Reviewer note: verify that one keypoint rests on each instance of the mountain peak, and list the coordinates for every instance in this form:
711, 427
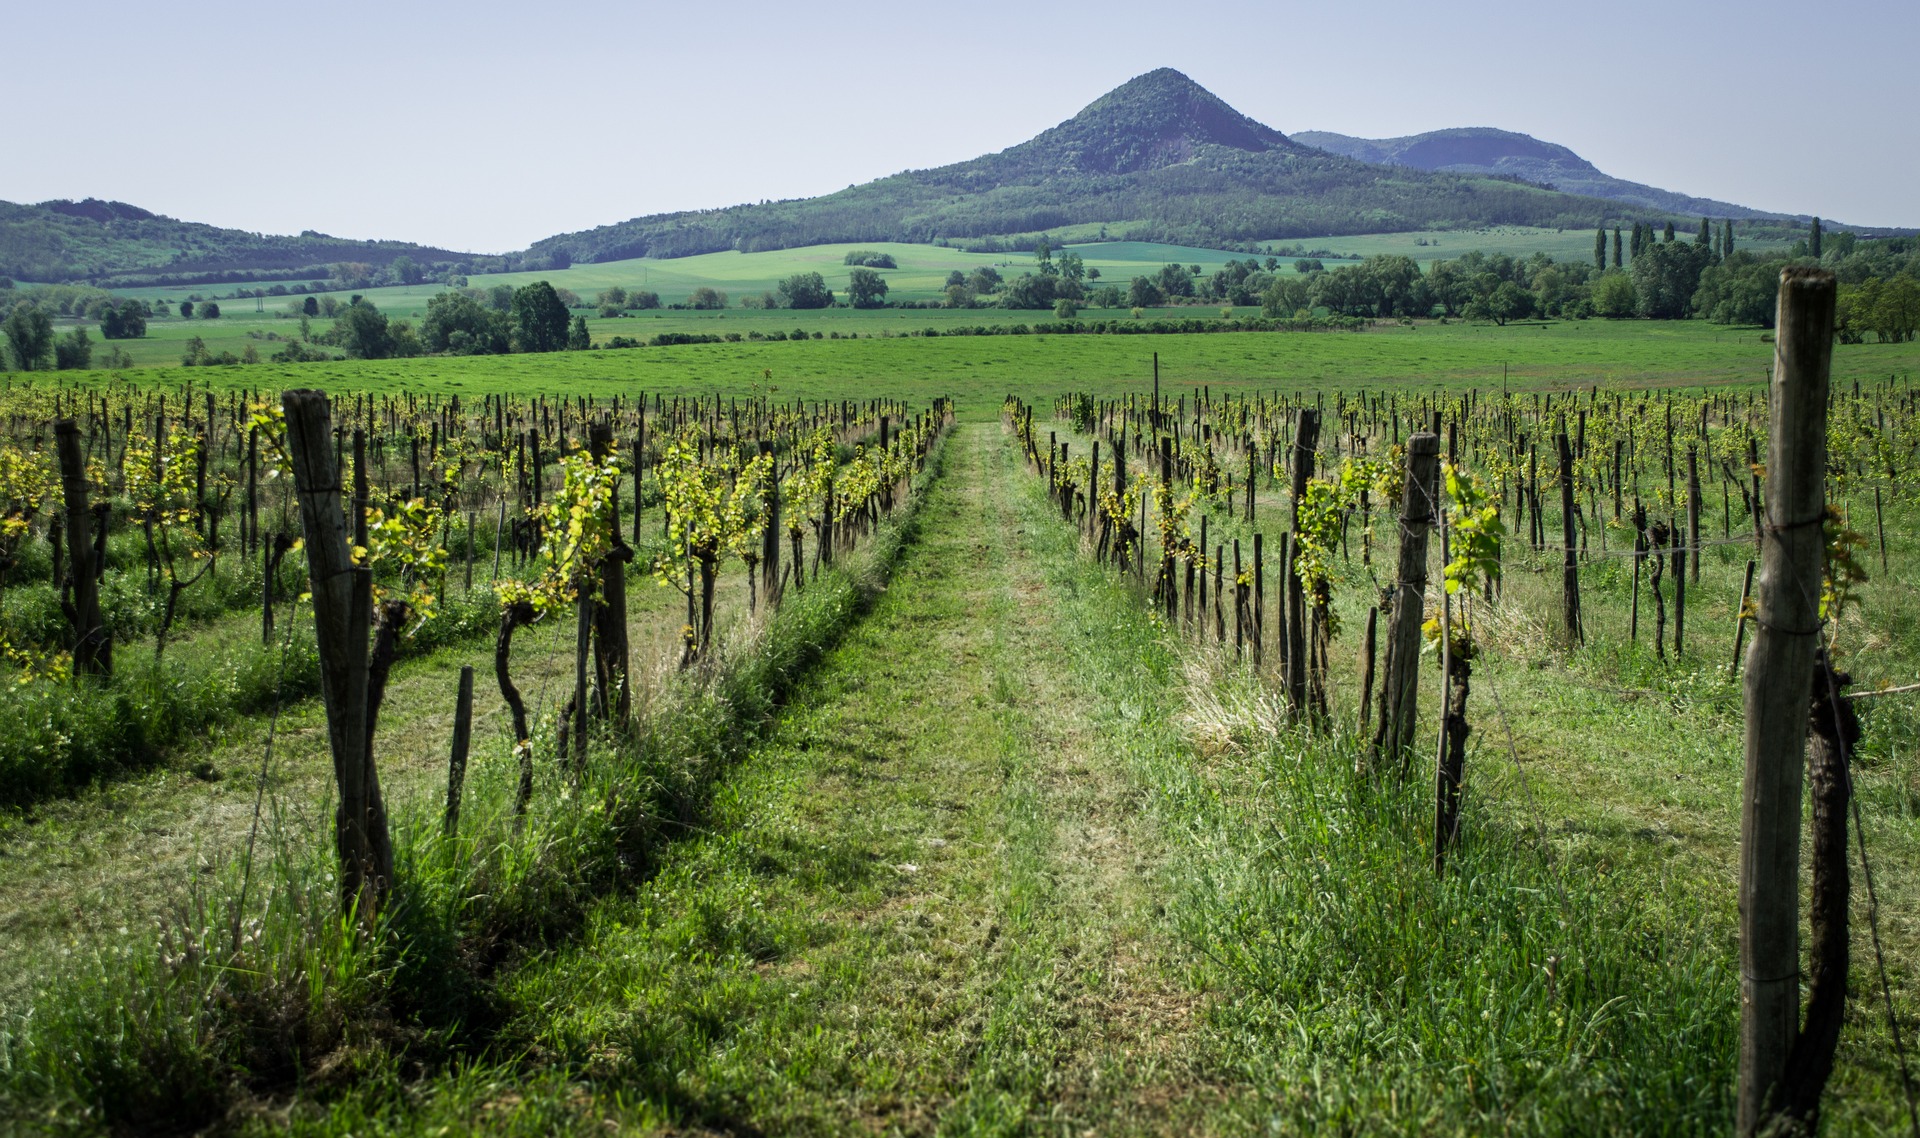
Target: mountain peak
1151, 121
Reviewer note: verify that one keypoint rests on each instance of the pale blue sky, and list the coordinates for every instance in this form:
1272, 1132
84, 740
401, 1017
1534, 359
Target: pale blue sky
487, 125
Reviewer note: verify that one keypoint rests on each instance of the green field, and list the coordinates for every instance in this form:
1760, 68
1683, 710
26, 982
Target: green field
979, 371
923, 268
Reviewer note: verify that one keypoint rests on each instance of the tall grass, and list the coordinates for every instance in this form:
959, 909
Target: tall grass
1527, 989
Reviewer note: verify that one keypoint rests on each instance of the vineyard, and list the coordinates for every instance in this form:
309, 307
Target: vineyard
1164, 758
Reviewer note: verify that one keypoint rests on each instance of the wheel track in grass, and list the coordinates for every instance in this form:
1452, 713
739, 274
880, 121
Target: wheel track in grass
927, 903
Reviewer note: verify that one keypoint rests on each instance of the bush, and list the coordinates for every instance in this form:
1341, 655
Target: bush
868, 258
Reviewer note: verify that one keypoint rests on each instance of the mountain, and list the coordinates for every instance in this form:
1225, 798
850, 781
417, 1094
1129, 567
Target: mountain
113, 243
1484, 150
1158, 158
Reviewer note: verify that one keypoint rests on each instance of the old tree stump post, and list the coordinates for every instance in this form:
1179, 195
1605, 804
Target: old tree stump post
1782, 1068
1399, 694
343, 620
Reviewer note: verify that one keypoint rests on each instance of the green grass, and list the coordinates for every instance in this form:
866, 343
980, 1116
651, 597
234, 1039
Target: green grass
980, 371
923, 268
921, 275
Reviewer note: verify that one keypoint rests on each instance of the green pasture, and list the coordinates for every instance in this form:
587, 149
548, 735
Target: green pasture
921, 276
923, 268
979, 371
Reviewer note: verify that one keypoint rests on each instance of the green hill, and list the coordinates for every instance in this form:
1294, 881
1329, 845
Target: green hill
1159, 158
116, 244
1485, 150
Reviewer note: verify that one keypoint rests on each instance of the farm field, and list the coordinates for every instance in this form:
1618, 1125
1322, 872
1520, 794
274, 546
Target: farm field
923, 268
979, 831
979, 372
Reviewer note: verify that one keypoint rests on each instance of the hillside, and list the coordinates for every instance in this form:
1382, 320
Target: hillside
113, 243
1159, 158
1485, 150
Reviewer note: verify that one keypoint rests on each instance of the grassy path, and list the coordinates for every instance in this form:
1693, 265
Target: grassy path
927, 905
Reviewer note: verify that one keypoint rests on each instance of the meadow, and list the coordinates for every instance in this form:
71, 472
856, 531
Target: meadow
970, 837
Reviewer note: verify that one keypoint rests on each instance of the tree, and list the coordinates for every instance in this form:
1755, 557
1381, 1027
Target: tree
73, 351
705, 298
186, 310
1032, 290
29, 337
866, 288
124, 321
310, 306
1043, 258
1668, 236
1064, 309
210, 311
362, 330
1613, 295
643, 299
1617, 260
539, 318
984, 280
578, 340
405, 271
1072, 267
1726, 239
806, 290
614, 298
457, 323
1814, 239
1143, 293
1600, 250
956, 277
1705, 236
1175, 280
1666, 276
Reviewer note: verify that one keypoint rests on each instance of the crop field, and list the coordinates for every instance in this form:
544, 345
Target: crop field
939, 734
923, 268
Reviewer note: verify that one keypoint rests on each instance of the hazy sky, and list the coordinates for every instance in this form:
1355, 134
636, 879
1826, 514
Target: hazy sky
486, 125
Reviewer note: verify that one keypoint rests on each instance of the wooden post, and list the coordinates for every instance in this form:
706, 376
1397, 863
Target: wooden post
1740, 622
1259, 591
1693, 512
462, 740
611, 651
1569, 563
1305, 434
342, 616
92, 646
1880, 520
1779, 678
1369, 654
1399, 693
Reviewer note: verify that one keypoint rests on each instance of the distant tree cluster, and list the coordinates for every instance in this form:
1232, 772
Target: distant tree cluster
867, 258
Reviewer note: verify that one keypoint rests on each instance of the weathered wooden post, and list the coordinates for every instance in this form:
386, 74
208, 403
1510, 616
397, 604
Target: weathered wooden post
1779, 680
342, 617
609, 616
92, 646
1569, 564
462, 741
1306, 433
1399, 693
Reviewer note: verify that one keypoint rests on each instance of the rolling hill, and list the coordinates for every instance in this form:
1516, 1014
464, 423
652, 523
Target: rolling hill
1485, 150
116, 244
1159, 158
